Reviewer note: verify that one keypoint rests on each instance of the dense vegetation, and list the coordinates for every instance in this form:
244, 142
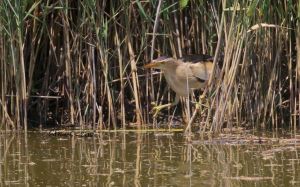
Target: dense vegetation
80, 62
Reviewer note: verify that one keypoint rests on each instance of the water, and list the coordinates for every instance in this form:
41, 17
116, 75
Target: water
146, 159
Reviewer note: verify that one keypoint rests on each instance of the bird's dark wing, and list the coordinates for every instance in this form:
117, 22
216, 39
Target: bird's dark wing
200, 80
196, 58
161, 58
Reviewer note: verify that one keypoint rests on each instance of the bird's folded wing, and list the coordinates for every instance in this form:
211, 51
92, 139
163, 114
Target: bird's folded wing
201, 70
184, 73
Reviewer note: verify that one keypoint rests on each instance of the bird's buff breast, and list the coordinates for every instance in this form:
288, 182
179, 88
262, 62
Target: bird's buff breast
181, 86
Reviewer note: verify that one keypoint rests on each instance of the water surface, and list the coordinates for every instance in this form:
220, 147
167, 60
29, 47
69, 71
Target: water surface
146, 159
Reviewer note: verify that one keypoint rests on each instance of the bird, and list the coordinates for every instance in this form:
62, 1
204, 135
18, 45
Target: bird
183, 75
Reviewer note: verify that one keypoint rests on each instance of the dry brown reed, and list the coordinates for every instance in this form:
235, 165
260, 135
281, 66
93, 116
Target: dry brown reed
79, 63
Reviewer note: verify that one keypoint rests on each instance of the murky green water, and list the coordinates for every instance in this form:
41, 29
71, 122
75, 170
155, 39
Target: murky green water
146, 159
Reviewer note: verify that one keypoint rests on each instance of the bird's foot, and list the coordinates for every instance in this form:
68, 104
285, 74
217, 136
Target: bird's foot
156, 109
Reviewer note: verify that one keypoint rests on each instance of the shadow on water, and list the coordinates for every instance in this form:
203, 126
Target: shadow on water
146, 159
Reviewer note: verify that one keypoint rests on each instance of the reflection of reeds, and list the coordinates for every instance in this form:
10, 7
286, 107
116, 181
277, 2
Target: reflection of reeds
141, 159
88, 55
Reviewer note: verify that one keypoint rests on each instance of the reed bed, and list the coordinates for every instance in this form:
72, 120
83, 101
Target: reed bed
80, 63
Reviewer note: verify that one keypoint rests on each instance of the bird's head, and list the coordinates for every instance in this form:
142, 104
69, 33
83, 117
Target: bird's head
161, 63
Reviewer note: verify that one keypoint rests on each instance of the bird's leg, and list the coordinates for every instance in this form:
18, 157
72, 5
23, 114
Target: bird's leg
156, 109
202, 96
202, 100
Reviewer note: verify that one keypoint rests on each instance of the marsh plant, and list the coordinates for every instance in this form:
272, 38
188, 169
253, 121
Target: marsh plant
80, 62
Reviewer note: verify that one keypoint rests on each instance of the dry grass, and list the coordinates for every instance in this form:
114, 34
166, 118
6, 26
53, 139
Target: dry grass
79, 63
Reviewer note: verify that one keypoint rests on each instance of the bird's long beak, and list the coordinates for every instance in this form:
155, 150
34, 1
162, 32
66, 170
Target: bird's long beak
151, 65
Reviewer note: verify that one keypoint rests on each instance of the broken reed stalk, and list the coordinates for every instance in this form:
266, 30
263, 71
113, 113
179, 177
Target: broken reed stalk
89, 55
133, 66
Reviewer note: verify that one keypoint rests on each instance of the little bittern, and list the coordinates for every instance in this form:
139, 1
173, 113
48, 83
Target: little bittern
183, 74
